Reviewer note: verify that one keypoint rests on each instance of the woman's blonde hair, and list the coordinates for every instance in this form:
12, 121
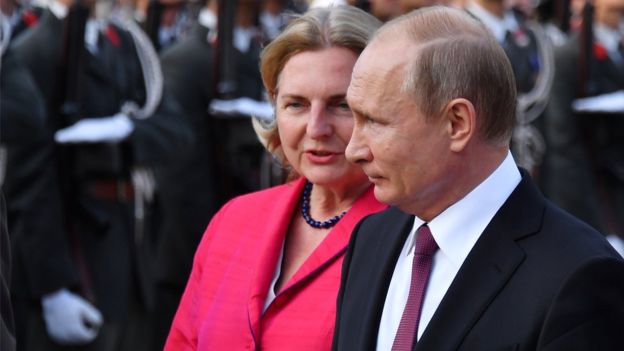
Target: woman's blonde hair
340, 26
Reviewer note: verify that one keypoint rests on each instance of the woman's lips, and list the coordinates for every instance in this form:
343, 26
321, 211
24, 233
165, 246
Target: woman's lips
321, 157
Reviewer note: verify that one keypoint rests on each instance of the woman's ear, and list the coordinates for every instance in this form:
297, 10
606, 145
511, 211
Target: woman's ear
461, 122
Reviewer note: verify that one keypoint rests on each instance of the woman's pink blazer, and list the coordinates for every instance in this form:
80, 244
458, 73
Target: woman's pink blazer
221, 308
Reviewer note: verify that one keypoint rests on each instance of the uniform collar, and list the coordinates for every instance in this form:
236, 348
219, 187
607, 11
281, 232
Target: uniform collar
608, 37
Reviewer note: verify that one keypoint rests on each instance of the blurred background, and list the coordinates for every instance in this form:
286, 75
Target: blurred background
126, 124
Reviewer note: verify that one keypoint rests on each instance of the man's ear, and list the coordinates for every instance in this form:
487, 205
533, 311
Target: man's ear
461, 122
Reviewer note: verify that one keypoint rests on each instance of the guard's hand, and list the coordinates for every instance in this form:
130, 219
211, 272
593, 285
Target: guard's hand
70, 319
96, 130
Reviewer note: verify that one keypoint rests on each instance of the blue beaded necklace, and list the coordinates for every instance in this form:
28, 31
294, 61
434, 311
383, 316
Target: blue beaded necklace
305, 211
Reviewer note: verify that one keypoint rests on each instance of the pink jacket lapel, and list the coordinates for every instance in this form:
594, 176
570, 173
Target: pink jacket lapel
270, 234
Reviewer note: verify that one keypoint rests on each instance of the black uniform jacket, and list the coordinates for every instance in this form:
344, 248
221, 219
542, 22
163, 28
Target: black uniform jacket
100, 230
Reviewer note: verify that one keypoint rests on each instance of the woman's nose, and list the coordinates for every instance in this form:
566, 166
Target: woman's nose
319, 123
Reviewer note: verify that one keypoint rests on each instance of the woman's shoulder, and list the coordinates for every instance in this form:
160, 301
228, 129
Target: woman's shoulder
268, 196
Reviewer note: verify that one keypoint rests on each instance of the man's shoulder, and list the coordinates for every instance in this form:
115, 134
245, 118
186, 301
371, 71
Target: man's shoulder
193, 48
381, 228
568, 240
383, 218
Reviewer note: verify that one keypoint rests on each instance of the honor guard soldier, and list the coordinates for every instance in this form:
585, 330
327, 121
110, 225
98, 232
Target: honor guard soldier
111, 124
226, 155
21, 116
585, 122
190, 194
531, 55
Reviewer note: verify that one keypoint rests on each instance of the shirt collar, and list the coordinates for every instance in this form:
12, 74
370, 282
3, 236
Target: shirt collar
59, 9
497, 26
609, 38
208, 19
458, 228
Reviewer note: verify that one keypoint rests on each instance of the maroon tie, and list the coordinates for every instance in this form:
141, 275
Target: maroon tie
421, 267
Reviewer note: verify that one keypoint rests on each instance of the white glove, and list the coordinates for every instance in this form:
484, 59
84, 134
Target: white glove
608, 103
70, 319
95, 130
617, 243
243, 106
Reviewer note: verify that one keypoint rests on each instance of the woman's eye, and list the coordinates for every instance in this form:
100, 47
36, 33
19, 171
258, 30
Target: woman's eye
293, 105
344, 106
341, 106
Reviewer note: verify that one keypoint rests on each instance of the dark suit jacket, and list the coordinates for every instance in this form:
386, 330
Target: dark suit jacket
537, 279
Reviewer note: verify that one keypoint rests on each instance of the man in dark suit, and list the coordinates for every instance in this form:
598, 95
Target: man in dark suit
470, 256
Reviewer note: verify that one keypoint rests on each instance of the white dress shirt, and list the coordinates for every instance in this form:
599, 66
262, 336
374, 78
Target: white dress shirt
58, 9
208, 19
455, 230
610, 38
278, 271
498, 26
92, 27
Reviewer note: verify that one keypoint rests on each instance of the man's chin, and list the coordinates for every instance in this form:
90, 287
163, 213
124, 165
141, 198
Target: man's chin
382, 195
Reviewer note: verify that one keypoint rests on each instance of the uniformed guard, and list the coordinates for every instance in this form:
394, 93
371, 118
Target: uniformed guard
7, 324
112, 124
217, 59
531, 56
585, 126
25, 188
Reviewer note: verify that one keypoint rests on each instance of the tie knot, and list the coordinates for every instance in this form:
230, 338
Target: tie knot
425, 243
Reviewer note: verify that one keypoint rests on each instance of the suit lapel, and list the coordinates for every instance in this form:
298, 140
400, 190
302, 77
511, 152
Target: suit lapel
112, 64
381, 257
200, 33
486, 270
612, 74
268, 242
97, 65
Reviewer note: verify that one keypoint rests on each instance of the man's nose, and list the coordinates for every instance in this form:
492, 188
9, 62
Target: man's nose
357, 151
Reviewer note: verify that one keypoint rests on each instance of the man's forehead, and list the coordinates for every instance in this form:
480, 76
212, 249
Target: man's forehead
371, 88
383, 55
375, 68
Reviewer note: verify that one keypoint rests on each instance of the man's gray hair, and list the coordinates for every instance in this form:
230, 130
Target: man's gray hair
455, 56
